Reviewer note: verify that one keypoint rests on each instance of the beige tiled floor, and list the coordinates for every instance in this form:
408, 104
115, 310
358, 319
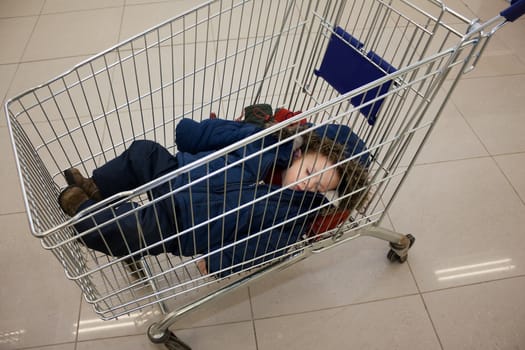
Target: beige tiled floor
462, 287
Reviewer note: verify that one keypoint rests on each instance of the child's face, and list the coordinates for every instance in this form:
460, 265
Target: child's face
307, 164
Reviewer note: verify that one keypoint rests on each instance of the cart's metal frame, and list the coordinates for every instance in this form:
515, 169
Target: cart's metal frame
218, 58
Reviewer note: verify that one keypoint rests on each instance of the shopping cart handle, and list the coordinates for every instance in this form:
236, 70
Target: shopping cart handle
514, 11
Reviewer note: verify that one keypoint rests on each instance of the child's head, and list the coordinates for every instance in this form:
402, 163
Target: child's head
318, 153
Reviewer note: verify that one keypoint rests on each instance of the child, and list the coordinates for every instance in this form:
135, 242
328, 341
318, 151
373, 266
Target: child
228, 214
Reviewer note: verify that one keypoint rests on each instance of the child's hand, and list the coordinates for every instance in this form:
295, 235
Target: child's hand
201, 265
241, 117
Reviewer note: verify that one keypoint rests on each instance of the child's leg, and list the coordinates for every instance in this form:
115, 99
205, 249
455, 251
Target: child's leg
130, 232
142, 162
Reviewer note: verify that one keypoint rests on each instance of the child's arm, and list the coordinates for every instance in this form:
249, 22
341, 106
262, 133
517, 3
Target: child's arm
260, 236
214, 134
210, 134
254, 251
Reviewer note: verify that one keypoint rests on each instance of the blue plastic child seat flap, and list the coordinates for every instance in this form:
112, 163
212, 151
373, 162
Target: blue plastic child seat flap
345, 68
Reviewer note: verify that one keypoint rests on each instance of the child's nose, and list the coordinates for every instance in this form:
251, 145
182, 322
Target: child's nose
301, 186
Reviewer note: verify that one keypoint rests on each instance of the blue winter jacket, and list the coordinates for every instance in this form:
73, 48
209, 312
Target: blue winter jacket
249, 234
218, 216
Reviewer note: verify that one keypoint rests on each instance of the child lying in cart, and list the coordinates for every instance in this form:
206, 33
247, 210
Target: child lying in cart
247, 235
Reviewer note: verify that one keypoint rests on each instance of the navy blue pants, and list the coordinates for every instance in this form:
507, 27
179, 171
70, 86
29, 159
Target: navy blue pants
142, 162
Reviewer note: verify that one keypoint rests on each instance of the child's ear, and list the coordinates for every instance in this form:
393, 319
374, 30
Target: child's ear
297, 154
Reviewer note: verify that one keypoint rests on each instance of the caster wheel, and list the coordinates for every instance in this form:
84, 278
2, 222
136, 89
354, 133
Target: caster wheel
412, 239
393, 255
167, 338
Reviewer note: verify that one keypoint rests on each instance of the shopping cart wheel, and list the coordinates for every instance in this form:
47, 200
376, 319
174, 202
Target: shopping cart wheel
399, 251
168, 338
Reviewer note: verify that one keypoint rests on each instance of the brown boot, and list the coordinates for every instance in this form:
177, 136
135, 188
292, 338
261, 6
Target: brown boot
74, 177
71, 198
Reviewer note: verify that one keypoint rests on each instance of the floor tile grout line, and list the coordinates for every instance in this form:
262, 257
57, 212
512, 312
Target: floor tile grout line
77, 331
432, 323
146, 3
427, 311
17, 63
437, 290
38, 347
5, 97
489, 76
491, 155
509, 181
80, 56
41, 11
13, 213
487, 156
252, 314
81, 10
336, 307
33, 30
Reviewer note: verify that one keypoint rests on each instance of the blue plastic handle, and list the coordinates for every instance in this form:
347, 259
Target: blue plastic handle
516, 9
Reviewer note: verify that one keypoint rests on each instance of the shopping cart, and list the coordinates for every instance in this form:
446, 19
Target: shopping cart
376, 67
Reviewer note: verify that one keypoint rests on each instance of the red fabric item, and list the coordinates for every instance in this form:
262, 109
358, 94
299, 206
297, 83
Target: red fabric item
328, 222
282, 114
276, 179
